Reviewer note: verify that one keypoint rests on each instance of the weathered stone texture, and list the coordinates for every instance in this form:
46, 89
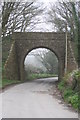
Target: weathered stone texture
11, 65
72, 64
25, 42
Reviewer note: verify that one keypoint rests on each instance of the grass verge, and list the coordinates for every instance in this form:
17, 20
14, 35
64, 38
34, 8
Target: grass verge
6, 82
37, 76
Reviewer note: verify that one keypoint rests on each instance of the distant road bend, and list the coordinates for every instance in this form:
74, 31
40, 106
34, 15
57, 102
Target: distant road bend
34, 99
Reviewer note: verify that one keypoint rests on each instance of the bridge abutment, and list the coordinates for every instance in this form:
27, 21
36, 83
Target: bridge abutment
11, 66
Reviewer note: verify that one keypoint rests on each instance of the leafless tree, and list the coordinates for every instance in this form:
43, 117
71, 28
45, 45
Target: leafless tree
64, 13
48, 59
18, 16
61, 13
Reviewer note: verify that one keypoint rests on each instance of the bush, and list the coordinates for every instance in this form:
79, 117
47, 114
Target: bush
77, 75
79, 102
69, 94
74, 101
62, 85
76, 81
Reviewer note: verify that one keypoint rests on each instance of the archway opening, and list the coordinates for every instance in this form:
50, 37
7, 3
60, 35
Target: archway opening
41, 63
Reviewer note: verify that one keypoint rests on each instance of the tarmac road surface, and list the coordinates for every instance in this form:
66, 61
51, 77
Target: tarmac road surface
34, 99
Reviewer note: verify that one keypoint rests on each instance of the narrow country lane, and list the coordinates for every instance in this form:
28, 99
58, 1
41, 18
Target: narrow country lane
34, 100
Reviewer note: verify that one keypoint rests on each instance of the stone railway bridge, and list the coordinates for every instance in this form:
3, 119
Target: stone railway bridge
26, 42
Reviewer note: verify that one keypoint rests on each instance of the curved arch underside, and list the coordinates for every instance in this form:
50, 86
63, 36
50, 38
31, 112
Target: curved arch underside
41, 60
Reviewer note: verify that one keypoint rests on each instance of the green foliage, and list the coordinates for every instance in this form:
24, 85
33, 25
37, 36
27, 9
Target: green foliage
37, 76
67, 93
70, 95
77, 74
76, 77
79, 102
0, 83
61, 85
74, 101
6, 82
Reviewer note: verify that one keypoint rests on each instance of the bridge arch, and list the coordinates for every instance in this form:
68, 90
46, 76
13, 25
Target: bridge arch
35, 48
25, 42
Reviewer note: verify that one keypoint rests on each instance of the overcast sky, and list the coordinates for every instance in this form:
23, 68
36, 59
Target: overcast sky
47, 1
44, 26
